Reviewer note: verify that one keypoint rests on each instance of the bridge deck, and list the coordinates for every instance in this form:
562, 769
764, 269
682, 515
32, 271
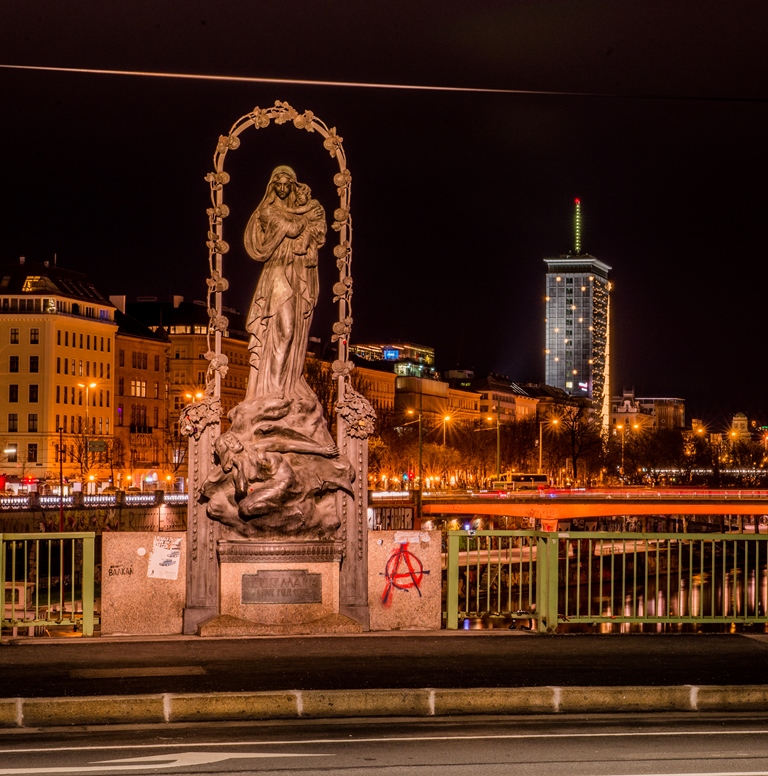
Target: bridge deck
567, 506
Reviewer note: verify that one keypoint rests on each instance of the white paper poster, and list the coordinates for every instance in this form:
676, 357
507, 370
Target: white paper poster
164, 558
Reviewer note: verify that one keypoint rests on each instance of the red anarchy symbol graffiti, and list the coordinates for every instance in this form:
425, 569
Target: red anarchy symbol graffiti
403, 571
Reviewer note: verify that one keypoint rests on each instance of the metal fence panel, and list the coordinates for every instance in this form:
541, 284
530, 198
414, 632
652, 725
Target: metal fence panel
600, 577
48, 580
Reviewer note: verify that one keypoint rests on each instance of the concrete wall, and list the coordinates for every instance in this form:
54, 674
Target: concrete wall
143, 583
404, 580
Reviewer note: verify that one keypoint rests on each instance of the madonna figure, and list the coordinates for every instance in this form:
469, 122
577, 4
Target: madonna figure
285, 232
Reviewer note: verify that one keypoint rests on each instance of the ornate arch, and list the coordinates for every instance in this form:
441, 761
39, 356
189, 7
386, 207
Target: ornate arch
281, 113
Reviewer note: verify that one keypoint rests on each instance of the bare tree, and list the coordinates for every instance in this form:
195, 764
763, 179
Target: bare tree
580, 438
175, 447
115, 456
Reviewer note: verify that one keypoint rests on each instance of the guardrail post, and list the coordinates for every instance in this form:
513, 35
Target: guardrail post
452, 591
546, 582
541, 584
553, 581
89, 559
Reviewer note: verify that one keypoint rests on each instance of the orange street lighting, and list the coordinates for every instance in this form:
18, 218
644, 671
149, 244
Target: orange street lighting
620, 427
420, 474
542, 423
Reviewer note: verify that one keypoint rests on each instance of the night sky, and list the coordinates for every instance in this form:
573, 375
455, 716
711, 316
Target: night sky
653, 113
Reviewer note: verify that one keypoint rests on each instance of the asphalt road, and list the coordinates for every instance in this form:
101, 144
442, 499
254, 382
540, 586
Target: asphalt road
466, 659
514, 746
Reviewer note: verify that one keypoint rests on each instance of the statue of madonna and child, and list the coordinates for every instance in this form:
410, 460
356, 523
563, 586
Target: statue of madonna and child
276, 469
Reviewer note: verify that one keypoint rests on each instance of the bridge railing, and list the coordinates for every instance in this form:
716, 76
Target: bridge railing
48, 580
553, 579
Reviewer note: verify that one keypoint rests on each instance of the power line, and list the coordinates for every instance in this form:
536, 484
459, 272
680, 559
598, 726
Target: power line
370, 85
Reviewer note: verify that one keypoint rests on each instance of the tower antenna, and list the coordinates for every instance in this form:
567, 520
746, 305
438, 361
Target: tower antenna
577, 227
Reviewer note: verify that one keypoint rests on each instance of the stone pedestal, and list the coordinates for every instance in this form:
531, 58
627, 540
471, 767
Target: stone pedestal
279, 588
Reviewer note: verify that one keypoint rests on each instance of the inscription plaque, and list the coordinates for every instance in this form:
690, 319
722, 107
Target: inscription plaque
274, 586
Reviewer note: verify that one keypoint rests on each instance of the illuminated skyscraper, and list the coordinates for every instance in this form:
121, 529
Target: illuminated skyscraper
577, 323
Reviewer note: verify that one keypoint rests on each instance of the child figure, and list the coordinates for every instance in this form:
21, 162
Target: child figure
307, 244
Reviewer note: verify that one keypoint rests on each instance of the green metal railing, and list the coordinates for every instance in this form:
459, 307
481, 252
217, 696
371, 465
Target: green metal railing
552, 579
48, 580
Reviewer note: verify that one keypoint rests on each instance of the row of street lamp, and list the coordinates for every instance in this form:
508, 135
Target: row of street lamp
447, 418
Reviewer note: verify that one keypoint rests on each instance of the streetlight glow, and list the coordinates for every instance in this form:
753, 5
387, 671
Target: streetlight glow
542, 423
87, 387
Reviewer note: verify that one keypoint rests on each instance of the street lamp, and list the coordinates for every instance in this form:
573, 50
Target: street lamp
411, 412
446, 418
87, 408
498, 441
61, 479
622, 427
542, 423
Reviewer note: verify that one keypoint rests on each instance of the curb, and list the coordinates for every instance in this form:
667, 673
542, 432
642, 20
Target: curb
335, 704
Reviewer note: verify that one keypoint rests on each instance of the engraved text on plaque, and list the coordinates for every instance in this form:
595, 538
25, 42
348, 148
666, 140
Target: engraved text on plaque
274, 586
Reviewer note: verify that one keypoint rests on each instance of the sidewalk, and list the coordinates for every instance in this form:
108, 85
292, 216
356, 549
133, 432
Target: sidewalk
79, 681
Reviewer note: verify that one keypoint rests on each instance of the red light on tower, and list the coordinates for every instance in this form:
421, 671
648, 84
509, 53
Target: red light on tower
577, 201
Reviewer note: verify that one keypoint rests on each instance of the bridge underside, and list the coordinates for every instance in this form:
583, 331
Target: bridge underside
570, 510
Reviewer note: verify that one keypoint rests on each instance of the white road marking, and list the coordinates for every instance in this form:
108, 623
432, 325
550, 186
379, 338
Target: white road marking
153, 761
402, 739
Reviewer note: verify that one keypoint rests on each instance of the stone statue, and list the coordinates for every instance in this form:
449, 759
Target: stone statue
277, 468
285, 232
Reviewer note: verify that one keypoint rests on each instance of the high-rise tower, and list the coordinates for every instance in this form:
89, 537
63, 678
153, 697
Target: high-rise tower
577, 317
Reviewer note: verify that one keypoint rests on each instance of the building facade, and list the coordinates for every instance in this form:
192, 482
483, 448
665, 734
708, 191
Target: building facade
504, 400
378, 386
577, 327
186, 325
406, 358
57, 374
142, 445
637, 413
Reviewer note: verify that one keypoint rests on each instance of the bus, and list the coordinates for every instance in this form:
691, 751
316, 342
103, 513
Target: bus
520, 481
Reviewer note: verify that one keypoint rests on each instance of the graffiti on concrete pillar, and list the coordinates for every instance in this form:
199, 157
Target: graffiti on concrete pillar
403, 571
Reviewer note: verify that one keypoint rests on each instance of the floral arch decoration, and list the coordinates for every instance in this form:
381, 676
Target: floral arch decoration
260, 118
